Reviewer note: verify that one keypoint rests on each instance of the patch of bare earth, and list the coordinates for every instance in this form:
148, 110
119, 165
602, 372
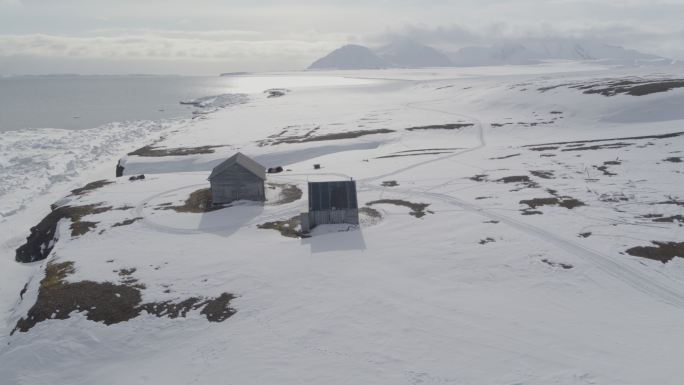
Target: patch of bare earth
565, 266
127, 222
288, 193
661, 251
417, 209
505, 157
479, 178
108, 302
309, 137
544, 148
523, 180
599, 147
567, 202
370, 212
429, 149
544, 174
453, 126
663, 219
90, 187
43, 236
671, 201
556, 145
289, 228
214, 309
413, 154
630, 86
151, 151
198, 202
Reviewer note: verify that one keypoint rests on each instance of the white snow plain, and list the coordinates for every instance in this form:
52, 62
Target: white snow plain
477, 291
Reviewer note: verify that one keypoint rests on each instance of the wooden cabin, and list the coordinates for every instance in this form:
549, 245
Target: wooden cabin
238, 178
331, 203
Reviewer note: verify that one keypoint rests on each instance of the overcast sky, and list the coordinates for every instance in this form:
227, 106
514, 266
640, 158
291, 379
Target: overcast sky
212, 36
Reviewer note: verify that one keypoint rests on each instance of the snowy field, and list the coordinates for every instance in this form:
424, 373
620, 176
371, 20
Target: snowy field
521, 225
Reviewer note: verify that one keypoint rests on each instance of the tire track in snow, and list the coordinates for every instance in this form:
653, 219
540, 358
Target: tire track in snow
604, 262
480, 137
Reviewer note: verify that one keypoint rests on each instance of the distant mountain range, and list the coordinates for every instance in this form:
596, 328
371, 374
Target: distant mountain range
410, 54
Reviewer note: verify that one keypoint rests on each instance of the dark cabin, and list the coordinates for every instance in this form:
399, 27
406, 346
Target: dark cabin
237, 178
331, 203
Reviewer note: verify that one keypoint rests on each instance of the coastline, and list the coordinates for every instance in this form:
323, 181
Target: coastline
55, 161
41, 166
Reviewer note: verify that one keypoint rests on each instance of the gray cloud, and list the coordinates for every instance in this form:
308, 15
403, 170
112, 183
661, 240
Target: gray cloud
226, 35
265, 55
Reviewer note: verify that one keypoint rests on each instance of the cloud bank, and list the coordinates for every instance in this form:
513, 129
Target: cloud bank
211, 36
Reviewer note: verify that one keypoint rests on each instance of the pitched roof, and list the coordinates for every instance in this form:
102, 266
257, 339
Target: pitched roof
248, 163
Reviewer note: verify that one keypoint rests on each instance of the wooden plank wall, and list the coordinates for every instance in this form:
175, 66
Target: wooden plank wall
237, 183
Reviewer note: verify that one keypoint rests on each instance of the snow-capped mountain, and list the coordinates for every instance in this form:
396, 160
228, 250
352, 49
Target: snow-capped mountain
503, 53
531, 51
349, 57
410, 54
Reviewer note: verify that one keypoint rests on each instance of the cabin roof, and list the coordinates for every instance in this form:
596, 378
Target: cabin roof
241, 159
329, 195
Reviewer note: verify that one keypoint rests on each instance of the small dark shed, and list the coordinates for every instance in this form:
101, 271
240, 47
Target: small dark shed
331, 203
237, 178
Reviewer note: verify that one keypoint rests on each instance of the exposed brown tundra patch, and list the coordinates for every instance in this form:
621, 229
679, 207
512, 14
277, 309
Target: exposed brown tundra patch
662, 251
417, 209
671, 219
107, 302
151, 151
43, 236
486, 241
544, 174
90, 187
544, 148
453, 126
287, 228
567, 202
127, 222
309, 137
57, 299
288, 193
214, 309
629, 86
506, 156
370, 212
565, 266
520, 179
198, 202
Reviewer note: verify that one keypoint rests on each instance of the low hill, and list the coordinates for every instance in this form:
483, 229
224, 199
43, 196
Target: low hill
350, 57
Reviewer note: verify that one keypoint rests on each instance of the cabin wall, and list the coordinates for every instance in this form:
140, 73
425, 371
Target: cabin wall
236, 183
331, 203
328, 217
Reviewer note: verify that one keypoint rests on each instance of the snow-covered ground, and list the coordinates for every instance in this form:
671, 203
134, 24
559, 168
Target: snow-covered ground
509, 267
